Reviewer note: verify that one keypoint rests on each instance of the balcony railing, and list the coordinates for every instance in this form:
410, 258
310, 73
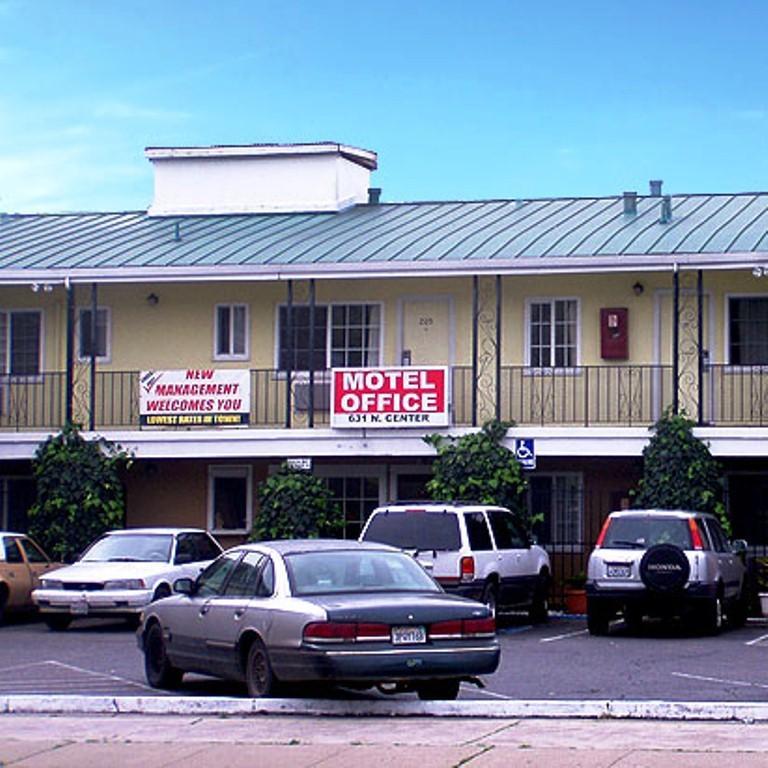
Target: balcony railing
588, 395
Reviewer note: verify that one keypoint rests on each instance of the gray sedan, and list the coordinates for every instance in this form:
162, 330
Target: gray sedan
344, 612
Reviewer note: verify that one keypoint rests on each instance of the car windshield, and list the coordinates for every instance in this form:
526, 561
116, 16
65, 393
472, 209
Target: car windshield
644, 532
134, 547
319, 573
415, 529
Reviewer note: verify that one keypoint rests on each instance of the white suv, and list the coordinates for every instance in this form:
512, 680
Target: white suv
473, 550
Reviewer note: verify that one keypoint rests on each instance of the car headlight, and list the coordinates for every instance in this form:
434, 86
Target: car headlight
125, 584
51, 584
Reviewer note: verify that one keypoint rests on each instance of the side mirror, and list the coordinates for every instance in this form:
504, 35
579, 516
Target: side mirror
739, 547
184, 587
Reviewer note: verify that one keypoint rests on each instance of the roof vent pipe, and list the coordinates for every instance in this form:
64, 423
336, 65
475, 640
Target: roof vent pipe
655, 185
666, 210
630, 203
374, 195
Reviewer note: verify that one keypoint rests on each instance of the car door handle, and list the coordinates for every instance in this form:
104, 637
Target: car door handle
239, 613
205, 610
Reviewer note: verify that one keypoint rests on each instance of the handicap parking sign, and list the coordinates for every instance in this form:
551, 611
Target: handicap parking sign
525, 452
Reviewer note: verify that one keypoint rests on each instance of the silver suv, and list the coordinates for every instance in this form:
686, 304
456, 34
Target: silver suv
665, 563
474, 550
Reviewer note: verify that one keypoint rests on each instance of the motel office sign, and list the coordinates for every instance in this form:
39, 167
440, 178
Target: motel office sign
389, 397
194, 398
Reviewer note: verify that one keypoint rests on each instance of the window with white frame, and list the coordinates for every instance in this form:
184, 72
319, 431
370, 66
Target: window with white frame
357, 491
552, 333
345, 335
558, 499
84, 332
748, 330
21, 342
230, 496
231, 332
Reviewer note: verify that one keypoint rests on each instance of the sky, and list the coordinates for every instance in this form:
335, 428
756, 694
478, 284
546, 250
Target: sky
461, 100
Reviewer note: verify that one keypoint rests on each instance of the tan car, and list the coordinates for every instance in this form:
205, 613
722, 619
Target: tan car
22, 562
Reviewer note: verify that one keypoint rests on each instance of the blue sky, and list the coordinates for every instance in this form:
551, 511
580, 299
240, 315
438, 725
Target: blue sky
461, 100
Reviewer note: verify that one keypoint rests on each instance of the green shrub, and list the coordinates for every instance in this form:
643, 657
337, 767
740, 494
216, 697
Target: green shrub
679, 472
79, 492
295, 505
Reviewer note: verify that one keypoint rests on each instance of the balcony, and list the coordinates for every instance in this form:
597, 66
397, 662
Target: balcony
600, 395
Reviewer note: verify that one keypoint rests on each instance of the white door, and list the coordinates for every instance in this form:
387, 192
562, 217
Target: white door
427, 331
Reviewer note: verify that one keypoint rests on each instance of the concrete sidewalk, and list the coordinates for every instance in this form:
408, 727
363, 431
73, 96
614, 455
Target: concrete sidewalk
289, 741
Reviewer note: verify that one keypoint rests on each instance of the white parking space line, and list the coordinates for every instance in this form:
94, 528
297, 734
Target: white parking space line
484, 692
757, 640
563, 637
706, 679
57, 677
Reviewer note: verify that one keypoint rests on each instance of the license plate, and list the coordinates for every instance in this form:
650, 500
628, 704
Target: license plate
619, 571
408, 635
80, 608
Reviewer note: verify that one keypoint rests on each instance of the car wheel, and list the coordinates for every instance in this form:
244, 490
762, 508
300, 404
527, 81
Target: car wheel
3, 601
438, 690
712, 616
598, 620
258, 671
737, 613
159, 671
538, 613
57, 623
491, 598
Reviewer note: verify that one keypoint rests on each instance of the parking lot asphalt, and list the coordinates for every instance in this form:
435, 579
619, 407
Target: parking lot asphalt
29, 741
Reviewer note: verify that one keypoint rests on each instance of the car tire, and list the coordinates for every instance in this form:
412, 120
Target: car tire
438, 690
491, 598
633, 620
712, 616
664, 568
538, 613
738, 611
259, 677
3, 601
158, 670
598, 620
57, 622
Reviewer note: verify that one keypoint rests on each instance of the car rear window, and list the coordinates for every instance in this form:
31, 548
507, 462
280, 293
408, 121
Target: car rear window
418, 529
322, 573
644, 532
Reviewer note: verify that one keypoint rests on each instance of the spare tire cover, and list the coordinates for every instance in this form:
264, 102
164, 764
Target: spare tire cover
664, 567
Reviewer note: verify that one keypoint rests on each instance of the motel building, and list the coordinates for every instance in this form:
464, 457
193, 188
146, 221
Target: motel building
270, 305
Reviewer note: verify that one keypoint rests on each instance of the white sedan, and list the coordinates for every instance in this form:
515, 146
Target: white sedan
123, 571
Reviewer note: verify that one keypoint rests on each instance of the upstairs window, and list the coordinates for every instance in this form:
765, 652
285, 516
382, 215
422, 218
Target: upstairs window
102, 334
21, 342
748, 330
345, 335
552, 333
231, 332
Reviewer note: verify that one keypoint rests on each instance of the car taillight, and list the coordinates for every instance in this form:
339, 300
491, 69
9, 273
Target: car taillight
458, 628
695, 534
603, 531
344, 632
467, 568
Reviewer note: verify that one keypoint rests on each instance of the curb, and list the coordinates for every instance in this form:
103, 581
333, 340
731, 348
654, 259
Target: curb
744, 712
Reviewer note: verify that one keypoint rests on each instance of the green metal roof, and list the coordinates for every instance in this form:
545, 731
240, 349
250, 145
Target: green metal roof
494, 236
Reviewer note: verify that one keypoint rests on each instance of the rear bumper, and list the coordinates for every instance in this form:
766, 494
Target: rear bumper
641, 598
356, 665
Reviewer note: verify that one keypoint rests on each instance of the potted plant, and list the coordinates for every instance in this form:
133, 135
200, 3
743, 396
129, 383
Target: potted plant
574, 594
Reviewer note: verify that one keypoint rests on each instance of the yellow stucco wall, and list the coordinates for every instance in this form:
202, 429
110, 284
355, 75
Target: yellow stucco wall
178, 331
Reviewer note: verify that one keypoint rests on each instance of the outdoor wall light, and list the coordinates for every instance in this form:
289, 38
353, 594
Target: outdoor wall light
638, 288
153, 299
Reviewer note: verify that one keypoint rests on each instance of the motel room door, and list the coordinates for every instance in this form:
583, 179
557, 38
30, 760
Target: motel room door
426, 336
